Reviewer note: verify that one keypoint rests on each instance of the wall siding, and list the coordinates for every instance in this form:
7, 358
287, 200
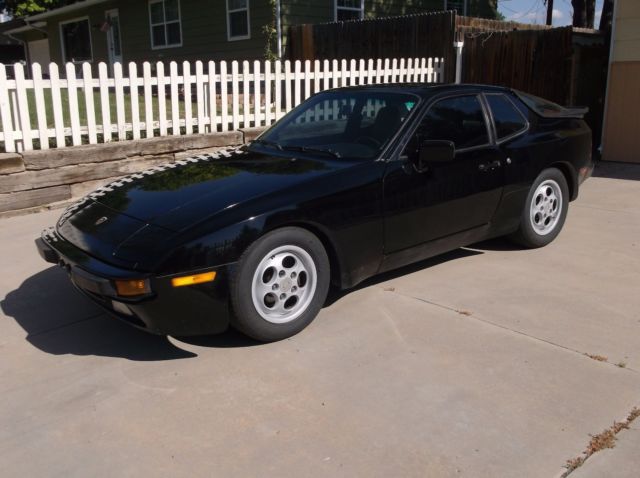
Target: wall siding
621, 141
204, 32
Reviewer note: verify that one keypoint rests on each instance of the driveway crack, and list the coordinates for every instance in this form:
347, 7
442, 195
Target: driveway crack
500, 326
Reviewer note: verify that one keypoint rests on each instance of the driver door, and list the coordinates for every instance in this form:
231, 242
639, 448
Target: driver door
449, 197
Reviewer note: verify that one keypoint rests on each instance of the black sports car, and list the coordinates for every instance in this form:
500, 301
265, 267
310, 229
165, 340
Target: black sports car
351, 183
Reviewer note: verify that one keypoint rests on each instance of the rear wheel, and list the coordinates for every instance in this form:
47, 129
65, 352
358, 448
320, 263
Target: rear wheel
545, 210
281, 283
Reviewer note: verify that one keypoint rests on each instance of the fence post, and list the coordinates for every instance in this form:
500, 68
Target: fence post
133, 97
120, 111
246, 94
267, 92
105, 105
87, 80
257, 101
175, 100
186, 94
458, 45
5, 112
213, 99
41, 110
235, 107
148, 99
24, 117
200, 96
162, 102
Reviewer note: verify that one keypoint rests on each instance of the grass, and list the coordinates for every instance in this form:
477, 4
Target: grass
97, 104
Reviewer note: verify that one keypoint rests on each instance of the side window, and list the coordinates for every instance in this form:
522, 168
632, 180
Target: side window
507, 118
458, 119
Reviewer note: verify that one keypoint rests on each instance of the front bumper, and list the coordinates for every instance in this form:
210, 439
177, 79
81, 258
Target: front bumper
192, 310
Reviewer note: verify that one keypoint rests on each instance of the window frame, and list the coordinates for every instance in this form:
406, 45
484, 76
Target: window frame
485, 114
497, 140
62, 46
164, 22
466, 6
229, 12
360, 10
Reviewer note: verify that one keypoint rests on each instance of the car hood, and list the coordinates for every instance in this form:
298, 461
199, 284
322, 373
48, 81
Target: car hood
165, 200
177, 195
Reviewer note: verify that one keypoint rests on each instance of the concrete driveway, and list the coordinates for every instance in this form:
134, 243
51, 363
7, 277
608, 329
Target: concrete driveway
471, 364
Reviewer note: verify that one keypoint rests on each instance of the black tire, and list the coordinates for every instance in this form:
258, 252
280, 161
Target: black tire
245, 315
527, 234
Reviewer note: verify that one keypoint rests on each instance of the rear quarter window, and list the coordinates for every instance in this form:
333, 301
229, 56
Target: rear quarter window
507, 118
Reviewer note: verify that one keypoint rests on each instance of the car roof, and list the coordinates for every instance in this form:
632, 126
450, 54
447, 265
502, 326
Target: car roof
429, 89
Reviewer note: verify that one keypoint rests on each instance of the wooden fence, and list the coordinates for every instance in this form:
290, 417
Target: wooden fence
565, 65
421, 35
535, 61
80, 109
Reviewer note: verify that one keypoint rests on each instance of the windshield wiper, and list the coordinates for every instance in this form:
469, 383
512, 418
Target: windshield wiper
266, 142
307, 149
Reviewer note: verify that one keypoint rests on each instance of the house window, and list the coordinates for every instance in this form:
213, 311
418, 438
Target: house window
164, 19
238, 20
460, 6
349, 10
75, 36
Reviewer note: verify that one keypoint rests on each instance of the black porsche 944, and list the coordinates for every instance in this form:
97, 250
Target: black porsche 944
351, 183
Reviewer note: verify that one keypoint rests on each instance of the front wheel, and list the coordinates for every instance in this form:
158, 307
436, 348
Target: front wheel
280, 285
545, 210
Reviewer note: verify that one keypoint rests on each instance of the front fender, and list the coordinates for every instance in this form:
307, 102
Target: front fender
345, 214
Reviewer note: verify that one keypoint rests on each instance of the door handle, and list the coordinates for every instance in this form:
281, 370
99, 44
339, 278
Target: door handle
484, 167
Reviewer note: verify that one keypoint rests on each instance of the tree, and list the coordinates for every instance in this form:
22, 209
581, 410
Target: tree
607, 16
23, 8
583, 13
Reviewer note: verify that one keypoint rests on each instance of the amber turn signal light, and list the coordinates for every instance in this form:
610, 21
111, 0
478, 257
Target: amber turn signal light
194, 279
132, 287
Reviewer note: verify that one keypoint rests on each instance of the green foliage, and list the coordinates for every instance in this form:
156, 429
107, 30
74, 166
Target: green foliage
23, 8
270, 34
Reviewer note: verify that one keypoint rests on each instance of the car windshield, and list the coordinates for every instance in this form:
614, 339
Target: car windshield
342, 124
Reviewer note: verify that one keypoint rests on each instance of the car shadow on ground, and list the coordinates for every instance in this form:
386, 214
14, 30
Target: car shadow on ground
335, 294
58, 320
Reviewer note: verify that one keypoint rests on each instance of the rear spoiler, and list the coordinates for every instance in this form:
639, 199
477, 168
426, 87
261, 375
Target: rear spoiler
547, 109
573, 112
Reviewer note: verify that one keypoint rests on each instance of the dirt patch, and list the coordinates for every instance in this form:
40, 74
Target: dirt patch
599, 358
605, 439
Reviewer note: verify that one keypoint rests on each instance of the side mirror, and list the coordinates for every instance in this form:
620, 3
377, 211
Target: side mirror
434, 151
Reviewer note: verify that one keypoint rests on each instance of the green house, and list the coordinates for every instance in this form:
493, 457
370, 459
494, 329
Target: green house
176, 30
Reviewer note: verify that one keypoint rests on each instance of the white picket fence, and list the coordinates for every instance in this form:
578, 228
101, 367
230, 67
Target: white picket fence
225, 96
